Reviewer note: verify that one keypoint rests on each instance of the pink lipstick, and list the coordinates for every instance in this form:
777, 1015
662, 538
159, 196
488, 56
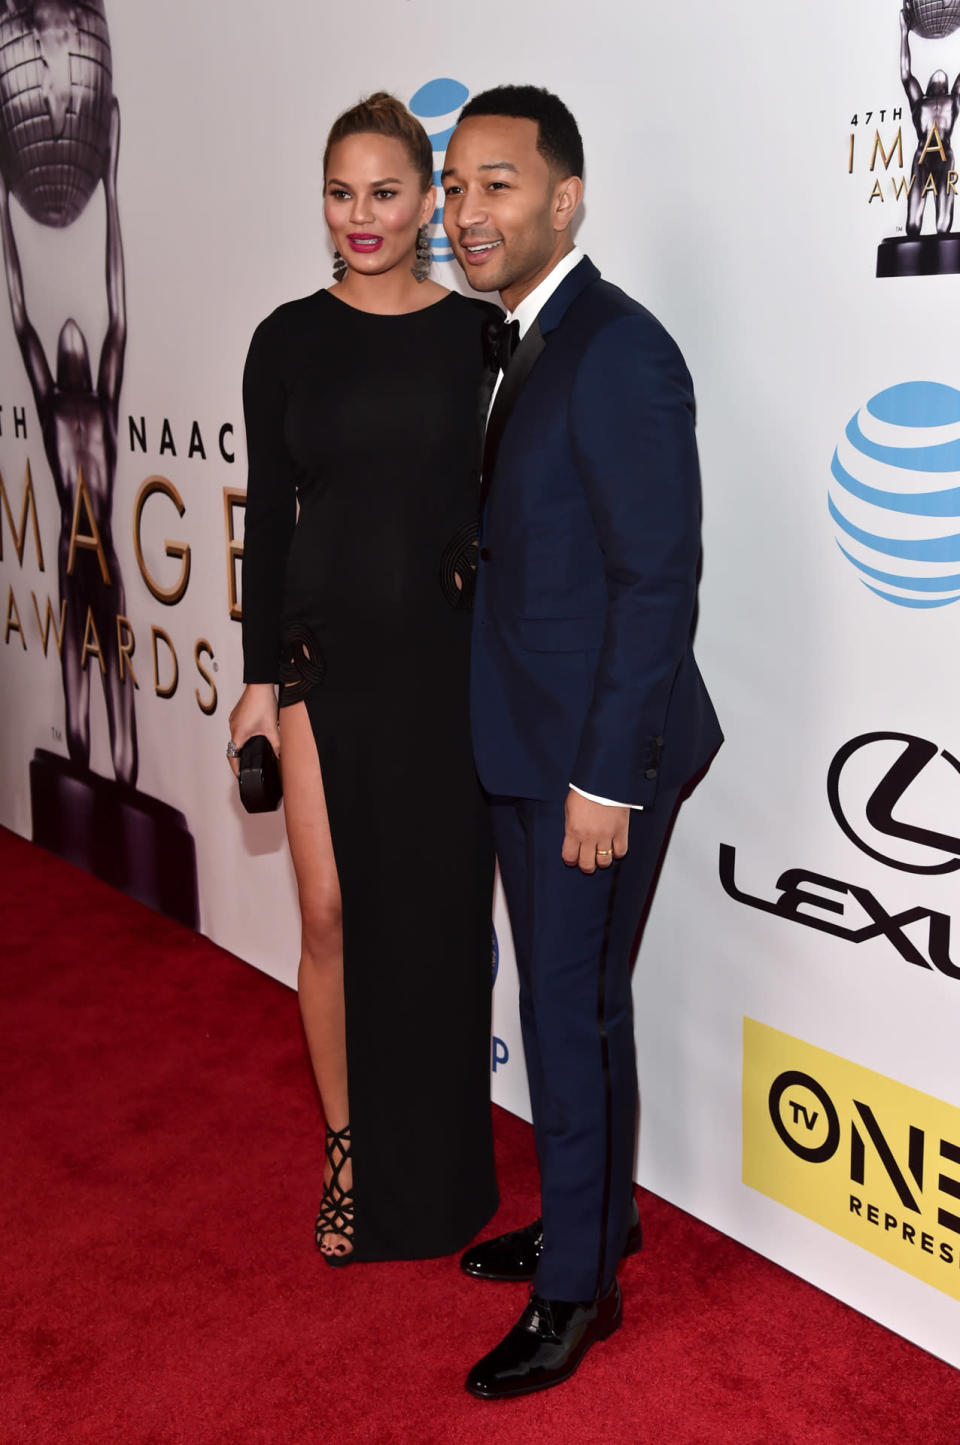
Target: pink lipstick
360, 241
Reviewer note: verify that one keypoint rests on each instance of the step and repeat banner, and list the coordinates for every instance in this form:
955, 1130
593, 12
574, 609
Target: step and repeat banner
779, 186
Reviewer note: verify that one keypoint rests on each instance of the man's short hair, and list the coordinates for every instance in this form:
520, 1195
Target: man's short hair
558, 139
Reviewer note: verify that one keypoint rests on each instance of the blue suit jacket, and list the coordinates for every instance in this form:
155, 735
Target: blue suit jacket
582, 667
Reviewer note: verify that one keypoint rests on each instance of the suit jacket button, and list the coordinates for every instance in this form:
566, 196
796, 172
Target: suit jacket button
484, 554
651, 773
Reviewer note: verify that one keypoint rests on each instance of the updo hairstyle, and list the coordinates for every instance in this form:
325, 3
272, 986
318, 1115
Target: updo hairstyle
383, 114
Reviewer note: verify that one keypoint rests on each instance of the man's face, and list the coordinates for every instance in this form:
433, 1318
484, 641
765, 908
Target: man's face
500, 212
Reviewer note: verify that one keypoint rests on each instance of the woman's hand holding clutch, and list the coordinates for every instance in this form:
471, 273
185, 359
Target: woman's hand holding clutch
255, 712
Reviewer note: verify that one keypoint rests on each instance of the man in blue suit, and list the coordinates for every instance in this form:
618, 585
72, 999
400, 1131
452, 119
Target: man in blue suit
589, 714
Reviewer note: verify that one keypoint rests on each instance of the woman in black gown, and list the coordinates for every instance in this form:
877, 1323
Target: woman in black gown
363, 405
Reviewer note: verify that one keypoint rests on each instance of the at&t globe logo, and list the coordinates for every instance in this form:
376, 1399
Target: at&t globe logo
437, 104
895, 494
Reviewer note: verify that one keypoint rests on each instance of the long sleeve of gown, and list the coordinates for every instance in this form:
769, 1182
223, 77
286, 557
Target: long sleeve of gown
271, 510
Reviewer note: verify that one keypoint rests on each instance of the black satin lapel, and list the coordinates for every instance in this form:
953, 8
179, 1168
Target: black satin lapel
487, 384
511, 386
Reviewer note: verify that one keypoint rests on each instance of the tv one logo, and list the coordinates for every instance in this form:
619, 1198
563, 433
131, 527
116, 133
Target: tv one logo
897, 798
855, 1151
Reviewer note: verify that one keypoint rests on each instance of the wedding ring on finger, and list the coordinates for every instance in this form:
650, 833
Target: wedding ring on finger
231, 749
604, 852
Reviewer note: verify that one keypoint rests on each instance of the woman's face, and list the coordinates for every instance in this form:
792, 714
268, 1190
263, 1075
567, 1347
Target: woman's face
374, 203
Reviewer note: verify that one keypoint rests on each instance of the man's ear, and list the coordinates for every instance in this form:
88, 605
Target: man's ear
566, 201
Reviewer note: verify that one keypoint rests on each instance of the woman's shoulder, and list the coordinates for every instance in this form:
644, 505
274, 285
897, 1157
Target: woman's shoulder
288, 320
471, 308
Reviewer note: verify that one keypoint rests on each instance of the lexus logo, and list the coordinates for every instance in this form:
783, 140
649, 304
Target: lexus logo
868, 784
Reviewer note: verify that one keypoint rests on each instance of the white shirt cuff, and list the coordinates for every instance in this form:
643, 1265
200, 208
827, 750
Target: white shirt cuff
607, 802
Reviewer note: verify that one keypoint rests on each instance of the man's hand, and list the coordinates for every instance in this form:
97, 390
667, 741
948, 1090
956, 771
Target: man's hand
596, 833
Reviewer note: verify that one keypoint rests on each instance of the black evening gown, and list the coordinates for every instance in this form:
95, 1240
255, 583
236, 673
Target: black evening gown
360, 605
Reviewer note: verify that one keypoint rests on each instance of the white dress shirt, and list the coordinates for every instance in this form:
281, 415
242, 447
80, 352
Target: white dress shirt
525, 314
530, 307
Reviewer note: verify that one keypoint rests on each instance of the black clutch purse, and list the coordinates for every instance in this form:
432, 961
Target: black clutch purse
260, 786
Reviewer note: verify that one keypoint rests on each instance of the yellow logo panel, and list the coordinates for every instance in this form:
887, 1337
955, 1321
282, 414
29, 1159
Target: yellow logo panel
863, 1155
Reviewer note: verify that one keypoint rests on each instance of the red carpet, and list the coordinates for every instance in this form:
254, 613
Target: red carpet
160, 1176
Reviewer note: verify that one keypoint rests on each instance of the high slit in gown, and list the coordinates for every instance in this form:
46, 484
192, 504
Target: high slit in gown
359, 606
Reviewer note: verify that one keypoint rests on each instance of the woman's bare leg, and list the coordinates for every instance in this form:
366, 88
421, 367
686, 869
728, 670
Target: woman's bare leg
320, 980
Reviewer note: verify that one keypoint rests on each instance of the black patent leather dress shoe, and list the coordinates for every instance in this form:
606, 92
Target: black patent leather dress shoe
513, 1258
545, 1346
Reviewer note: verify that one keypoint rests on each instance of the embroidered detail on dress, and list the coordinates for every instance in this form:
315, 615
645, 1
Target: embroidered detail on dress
458, 568
302, 664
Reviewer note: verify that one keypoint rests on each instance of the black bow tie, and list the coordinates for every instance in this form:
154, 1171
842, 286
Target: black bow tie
501, 340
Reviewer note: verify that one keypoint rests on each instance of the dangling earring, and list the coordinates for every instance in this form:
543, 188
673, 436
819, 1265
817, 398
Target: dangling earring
339, 266
421, 266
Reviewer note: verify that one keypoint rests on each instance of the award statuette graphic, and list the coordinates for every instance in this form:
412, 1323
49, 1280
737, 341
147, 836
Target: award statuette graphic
137, 843
932, 185
55, 91
933, 19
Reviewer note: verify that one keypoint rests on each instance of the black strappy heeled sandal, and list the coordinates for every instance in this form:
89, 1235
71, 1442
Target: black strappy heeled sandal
336, 1214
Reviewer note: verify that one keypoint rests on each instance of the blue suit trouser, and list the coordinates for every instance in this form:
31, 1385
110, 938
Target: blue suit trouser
574, 935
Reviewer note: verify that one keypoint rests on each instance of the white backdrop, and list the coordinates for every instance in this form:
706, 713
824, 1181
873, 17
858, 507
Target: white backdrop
719, 193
